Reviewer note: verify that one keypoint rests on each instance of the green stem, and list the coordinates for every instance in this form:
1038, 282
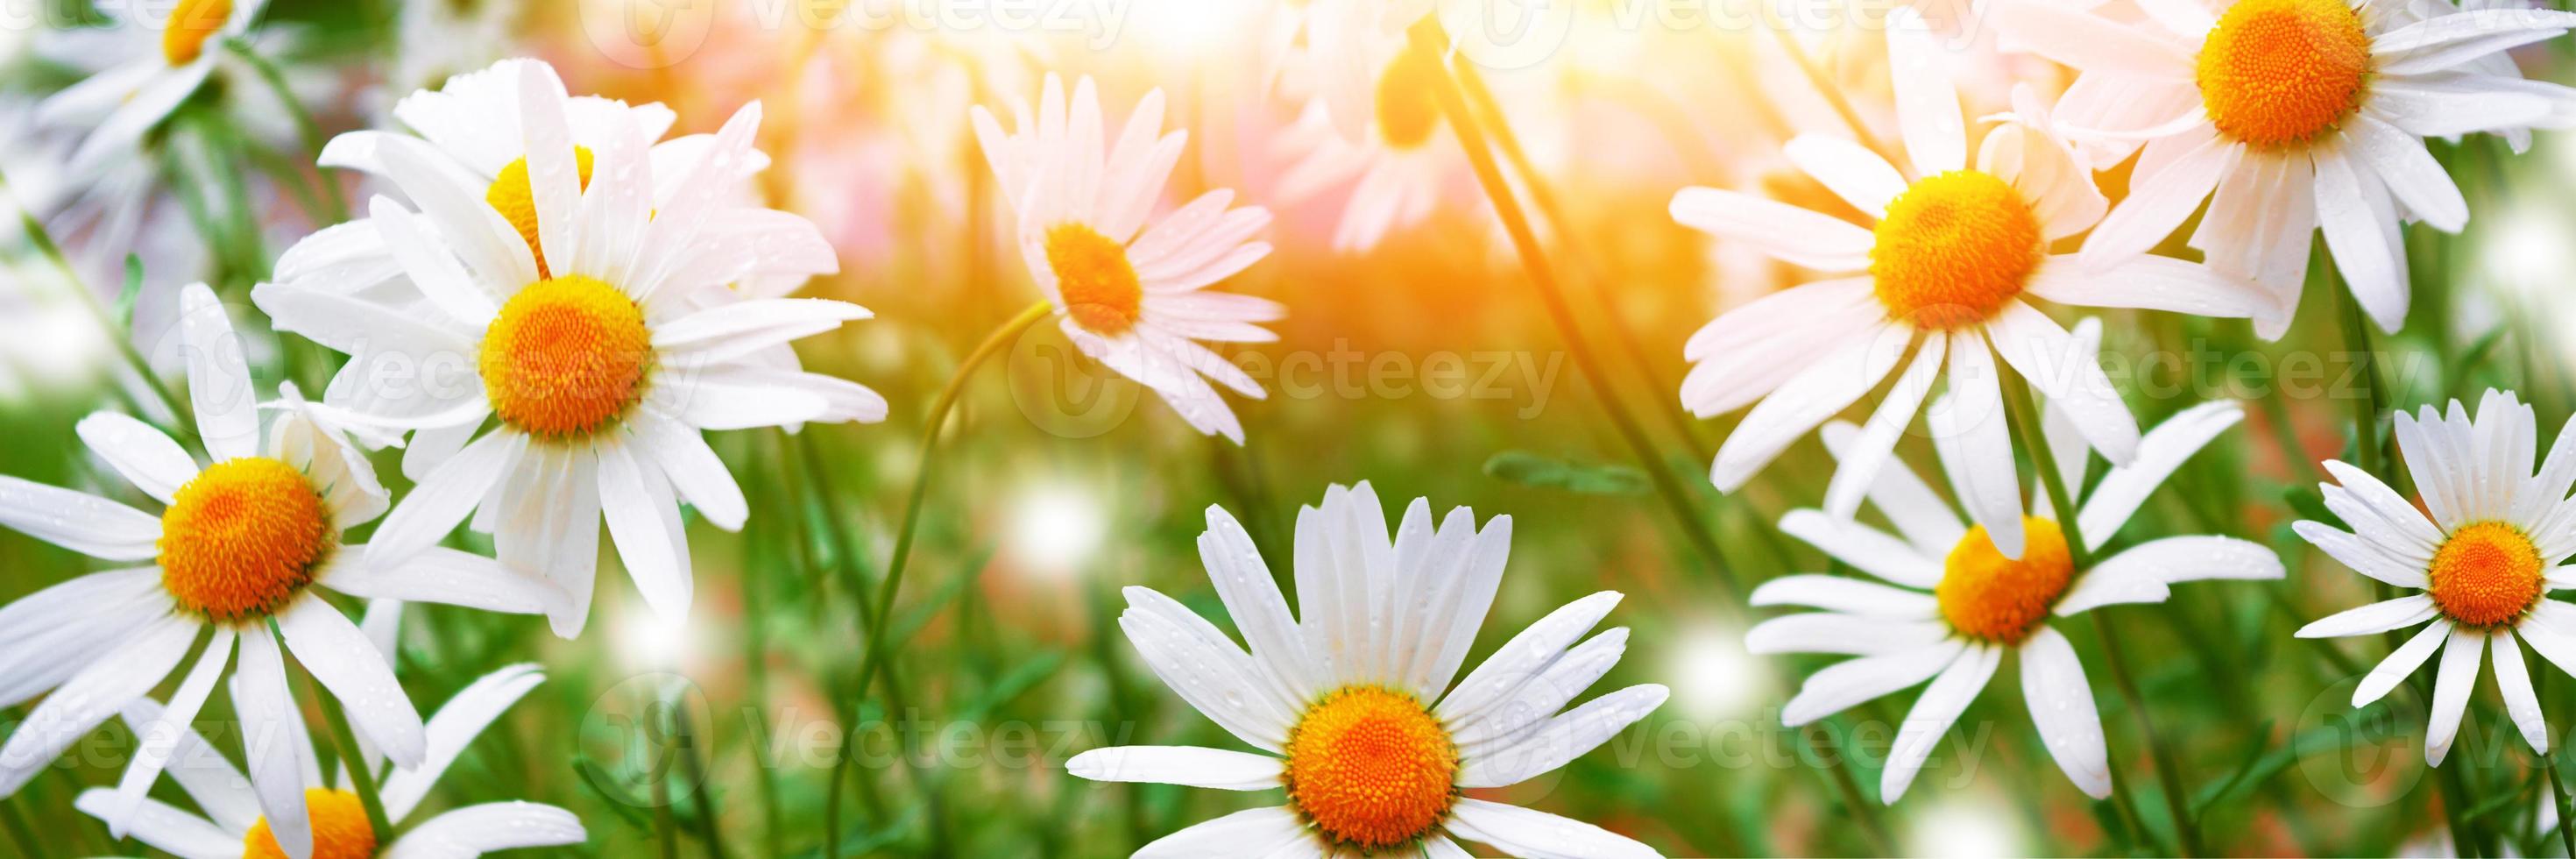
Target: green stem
184, 427
708, 832
2019, 408
362, 782
306, 129
1542, 196
887, 589
19, 831
1480, 156
1871, 828
2557, 789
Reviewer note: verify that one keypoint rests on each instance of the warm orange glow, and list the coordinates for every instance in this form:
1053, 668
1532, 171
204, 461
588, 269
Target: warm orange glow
1953, 249
340, 829
2279, 73
565, 357
1987, 596
1406, 111
242, 538
1371, 768
2486, 574
1099, 286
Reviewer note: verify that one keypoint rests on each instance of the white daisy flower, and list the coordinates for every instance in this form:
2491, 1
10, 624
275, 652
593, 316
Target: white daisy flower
1372, 125
1129, 293
228, 823
472, 126
237, 550
591, 351
1953, 256
2482, 562
2290, 116
1954, 606
1351, 703
160, 63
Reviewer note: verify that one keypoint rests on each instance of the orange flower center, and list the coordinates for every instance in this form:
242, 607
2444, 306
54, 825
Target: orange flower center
340, 829
2279, 73
1099, 286
1953, 249
1371, 768
243, 537
565, 357
2486, 574
1987, 596
516, 201
191, 23
1406, 112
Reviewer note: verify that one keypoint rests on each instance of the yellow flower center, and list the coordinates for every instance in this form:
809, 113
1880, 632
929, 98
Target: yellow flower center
1987, 596
2486, 574
340, 829
565, 357
1406, 112
243, 537
1099, 286
191, 23
1953, 249
516, 201
2279, 73
1371, 768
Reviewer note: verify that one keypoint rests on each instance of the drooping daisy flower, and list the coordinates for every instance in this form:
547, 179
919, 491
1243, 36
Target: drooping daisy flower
1129, 293
160, 63
1351, 703
1953, 255
228, 822
1372, 125
2296, 115
1954, 606
2483, 562
238, 549
590, 349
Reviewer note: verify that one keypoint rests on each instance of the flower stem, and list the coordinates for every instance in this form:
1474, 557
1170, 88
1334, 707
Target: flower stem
1871, 828
873, 655
2023, 413
361, 781
306, 129
1543, 197
1480, 156
182, 425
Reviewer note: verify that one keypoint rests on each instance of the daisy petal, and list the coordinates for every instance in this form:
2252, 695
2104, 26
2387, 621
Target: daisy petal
1843, 594
2061, 705
1851, 682
2359, 554
353, 671
1927, 101
158, 741
1198, 663
1853, 172
2377, 617
1524, 832
2457, 676
478, 829
2057, 365
1807, 399
1828, 632
1932, 715
145, 456
1522, 658
1250, 832
1975, 445
93, 694
2520, 702
1190, 766
78, 521
1795, 235
1564, 738
2117, 496
2401, 662
161, 827
441, 575
452, 728
1863, 547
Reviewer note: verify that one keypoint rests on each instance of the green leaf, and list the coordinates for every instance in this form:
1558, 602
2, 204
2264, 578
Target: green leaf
1530, 469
